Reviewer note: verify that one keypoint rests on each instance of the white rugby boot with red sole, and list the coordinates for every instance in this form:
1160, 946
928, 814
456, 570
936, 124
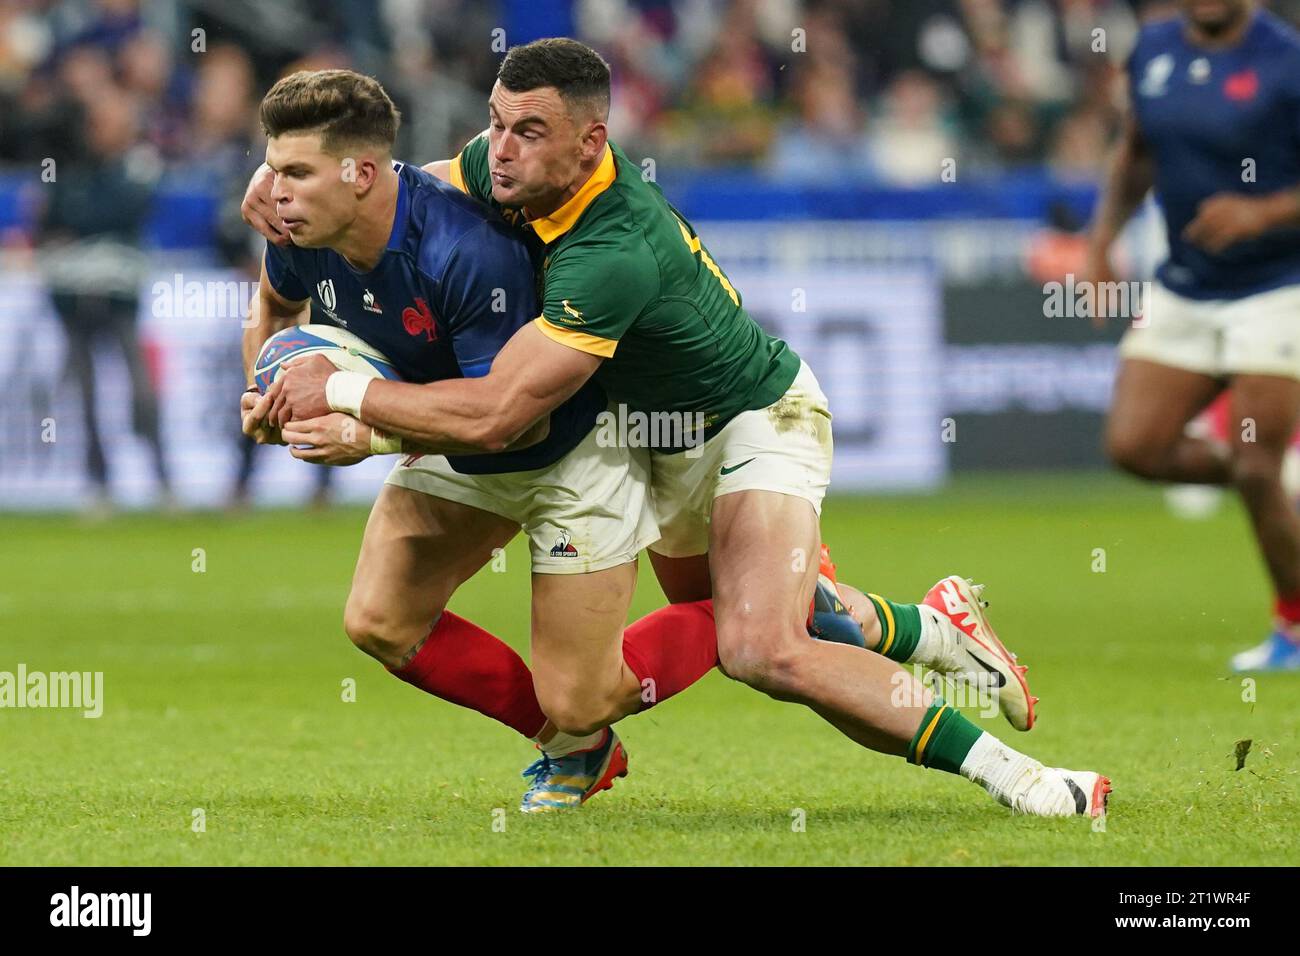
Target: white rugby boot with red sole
975, 656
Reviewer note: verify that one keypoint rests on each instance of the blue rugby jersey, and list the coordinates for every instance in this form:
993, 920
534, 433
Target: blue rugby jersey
1204, 114
453, 286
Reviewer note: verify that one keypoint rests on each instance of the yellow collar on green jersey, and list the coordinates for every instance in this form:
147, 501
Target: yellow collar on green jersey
549, 228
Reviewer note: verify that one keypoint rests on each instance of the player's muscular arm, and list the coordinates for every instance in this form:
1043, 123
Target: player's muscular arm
1284, 208
530, 377
531, 436
1130, 174
1230, 217
268, 313
1227, 218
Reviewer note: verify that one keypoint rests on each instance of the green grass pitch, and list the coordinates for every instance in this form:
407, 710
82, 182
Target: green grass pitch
223, 692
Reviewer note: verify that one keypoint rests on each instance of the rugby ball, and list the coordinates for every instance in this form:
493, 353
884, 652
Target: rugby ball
345, 350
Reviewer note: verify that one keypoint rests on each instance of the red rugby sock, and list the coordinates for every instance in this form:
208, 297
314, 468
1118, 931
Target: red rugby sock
1288, 608
464, 664
671, 648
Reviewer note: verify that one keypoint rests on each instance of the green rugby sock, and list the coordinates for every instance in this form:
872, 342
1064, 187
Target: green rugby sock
944, 738
900, 628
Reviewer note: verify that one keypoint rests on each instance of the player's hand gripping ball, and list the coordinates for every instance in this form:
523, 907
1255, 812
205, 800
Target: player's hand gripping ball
343, 349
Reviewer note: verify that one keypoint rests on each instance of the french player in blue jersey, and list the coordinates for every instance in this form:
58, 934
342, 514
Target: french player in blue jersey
1214, 127
438, 283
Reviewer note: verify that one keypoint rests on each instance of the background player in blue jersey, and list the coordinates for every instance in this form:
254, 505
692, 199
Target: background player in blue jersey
437, 282
1215, 128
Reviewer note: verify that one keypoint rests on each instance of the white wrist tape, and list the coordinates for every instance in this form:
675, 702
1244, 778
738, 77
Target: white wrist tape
382, 443
344, 392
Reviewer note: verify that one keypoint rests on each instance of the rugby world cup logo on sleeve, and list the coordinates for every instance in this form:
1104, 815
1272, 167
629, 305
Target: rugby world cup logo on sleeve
1156, 78
325, 290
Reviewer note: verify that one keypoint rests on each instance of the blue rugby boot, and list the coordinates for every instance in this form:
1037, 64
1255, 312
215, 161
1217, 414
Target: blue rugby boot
562, 783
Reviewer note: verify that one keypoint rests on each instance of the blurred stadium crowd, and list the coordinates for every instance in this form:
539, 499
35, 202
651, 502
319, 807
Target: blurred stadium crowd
109, 106
875, 90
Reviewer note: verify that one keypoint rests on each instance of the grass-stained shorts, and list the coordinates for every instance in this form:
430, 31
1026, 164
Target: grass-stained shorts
785, 447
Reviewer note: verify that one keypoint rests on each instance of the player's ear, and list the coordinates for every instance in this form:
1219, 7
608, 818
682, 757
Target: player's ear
362, 171
593, 141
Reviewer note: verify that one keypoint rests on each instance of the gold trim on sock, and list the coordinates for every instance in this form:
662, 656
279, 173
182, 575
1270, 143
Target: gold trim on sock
925, 737
889, 619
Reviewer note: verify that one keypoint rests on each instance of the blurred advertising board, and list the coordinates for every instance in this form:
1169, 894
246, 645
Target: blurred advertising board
873, 336
189, 329
1025, 385
874, 339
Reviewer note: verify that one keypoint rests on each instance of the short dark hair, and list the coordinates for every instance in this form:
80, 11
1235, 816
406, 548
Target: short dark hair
345, 107
574, 69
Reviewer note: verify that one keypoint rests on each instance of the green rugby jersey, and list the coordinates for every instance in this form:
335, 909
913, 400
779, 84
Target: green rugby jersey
625, 277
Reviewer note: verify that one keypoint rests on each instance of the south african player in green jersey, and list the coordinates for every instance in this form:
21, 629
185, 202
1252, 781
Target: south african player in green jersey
632, 299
